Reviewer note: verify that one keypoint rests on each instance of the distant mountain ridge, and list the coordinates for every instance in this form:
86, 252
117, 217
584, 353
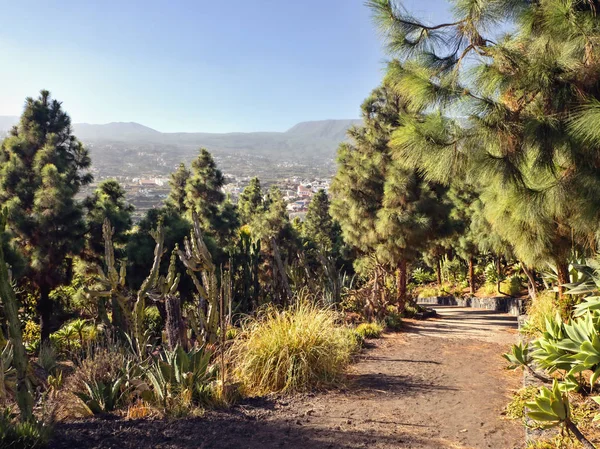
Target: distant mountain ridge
313, 139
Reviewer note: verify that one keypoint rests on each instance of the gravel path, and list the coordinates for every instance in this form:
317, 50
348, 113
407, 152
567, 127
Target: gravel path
439, 384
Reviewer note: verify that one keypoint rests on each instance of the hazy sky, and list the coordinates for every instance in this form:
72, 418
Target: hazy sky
195, 65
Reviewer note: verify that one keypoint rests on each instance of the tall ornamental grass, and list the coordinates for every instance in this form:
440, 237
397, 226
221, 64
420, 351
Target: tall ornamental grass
293, 350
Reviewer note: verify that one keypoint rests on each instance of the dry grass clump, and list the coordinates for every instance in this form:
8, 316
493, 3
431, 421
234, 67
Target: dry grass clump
103, 365
369, 330
292, 350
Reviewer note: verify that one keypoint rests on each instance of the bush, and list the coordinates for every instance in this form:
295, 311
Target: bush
107, 379
22, 435
542, 307
393, 320
427, 291
512, 286
422, 276
47, 357
488, 289
73, 335
292, 350
369, 330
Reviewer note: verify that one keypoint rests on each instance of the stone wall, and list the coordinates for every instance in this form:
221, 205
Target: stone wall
503, 304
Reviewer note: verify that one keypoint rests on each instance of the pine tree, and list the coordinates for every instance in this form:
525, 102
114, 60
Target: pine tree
107, 202
383, 207
42, 167
204, 190
251, 201
279, 243
226, 225
530, 101
318, 226
178, 183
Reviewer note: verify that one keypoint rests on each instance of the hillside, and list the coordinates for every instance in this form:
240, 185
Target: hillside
306, 140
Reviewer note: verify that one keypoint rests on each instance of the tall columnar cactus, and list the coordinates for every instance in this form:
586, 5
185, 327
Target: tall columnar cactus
248, 264
149, 283
165, 291
11, 307
113, 283
197, 259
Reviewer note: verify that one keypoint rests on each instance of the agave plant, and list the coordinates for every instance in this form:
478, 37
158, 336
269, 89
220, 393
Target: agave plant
176, 371
102, 396
551, 408
567, 349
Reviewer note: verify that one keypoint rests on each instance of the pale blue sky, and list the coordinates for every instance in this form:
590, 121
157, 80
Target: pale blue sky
195, 65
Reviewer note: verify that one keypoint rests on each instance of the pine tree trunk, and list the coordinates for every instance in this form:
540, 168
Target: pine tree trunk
498, 273
471, 275
438, 271
401, 285
44, 308
174, 322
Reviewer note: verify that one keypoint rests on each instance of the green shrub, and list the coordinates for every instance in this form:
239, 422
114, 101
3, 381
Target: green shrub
153, 321
296, 349
428, 291
393, 320
47, 357
422, 276
491, 273
369, 330
512, 286
73, 335
488, 289
107, 379
542, 307
360, 340
22, 435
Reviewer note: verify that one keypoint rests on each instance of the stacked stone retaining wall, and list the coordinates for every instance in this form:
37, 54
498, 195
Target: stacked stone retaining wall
503, 304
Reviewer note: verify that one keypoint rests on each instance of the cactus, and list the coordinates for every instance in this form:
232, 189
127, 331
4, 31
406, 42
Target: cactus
149, 283
248, 264
11, 307
197, 259
113, 283
165, 291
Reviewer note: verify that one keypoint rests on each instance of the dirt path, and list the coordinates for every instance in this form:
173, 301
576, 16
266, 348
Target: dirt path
439, 384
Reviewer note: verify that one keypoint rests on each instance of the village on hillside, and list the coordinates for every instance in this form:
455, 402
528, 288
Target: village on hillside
147, 191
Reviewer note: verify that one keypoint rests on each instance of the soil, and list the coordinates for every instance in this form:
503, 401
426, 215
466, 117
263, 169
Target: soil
439, 384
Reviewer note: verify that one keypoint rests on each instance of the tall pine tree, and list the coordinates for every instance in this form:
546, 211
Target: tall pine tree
251, 201
178, 183
42, 168
107, 202
384, 208
529, 102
